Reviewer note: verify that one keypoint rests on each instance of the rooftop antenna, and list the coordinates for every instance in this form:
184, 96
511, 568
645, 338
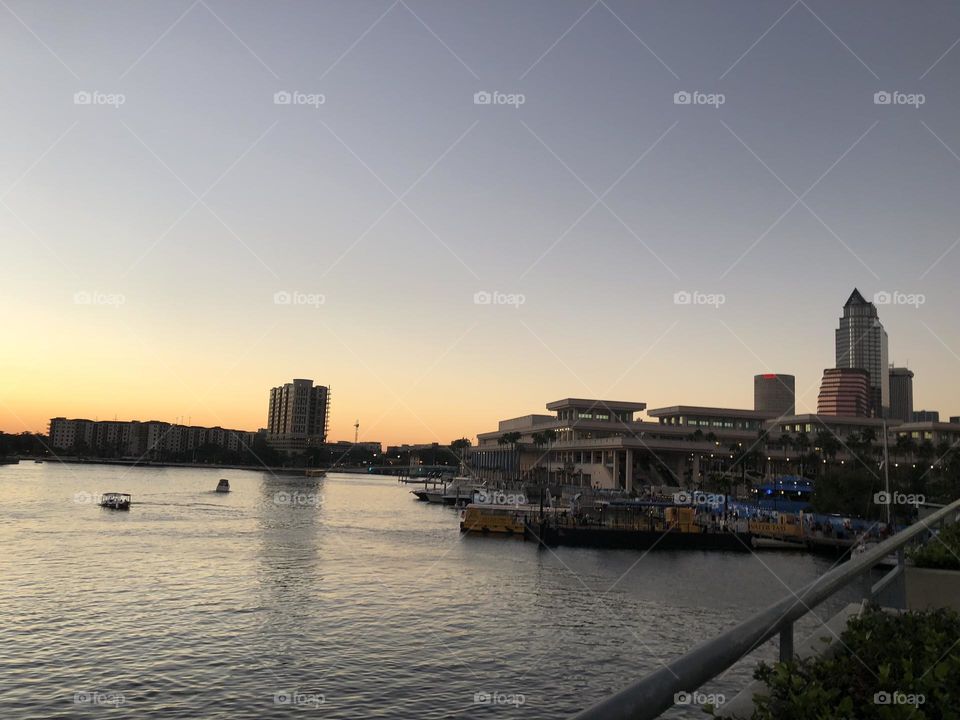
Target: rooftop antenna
356, 431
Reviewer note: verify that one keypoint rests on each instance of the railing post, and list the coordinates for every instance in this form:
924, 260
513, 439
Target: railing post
786, 643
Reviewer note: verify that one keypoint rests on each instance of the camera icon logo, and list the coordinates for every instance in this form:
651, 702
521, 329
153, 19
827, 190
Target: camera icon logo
482, 97
82, 98
682, 297
482, 297
881, 498
882, 97
882, 698
882, 298
282, 297
682, 98
282, 97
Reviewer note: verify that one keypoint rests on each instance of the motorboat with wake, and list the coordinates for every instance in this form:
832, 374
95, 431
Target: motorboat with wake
115, 501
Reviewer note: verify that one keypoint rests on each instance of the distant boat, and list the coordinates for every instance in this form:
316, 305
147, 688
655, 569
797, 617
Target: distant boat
115, 501
223, 486
38, 461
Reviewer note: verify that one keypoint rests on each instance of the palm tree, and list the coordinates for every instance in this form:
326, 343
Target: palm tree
785, 442
906, 446
803, 447
459, 447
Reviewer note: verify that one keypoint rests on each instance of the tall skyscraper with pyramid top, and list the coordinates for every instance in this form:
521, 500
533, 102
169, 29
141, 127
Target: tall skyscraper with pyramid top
862, 343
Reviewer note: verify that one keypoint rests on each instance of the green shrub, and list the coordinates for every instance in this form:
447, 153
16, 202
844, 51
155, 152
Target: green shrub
941, 552
878, 655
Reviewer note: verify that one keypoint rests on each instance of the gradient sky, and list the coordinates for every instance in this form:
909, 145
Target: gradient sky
198, 199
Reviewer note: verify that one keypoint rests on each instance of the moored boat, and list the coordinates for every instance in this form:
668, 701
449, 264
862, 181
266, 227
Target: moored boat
223, 486
461, 490
115, 501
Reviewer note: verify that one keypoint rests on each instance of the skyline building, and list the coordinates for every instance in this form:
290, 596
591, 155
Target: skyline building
901, 394
861, 342
774, 393
844, 392
297, 415
142, 438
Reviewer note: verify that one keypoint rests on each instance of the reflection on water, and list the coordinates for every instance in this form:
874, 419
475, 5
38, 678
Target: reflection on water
342, 594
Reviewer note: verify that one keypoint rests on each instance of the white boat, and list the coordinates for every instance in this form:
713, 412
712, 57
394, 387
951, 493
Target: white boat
461, 490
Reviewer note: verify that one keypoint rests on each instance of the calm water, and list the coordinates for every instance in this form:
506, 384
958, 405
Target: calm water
343, 591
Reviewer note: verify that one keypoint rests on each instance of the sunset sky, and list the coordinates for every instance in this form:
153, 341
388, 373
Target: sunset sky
158, 207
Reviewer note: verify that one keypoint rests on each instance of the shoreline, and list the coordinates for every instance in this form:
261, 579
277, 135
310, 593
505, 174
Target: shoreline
211, 466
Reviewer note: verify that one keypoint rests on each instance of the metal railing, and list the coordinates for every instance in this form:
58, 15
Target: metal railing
654, 694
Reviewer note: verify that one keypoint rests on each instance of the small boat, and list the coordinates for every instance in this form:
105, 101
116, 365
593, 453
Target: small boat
115, 501
223, 486
38, 461
461, 491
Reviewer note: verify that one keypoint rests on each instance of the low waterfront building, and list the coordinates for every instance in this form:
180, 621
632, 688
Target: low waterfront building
679, 446
839, 426
930, 430
598, 443
713, 419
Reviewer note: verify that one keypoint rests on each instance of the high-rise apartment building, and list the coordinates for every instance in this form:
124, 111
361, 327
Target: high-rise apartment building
861, 342
297, 415
901, 394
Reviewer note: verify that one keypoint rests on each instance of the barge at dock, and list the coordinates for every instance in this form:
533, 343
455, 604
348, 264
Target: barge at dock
672, 538
629, 524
